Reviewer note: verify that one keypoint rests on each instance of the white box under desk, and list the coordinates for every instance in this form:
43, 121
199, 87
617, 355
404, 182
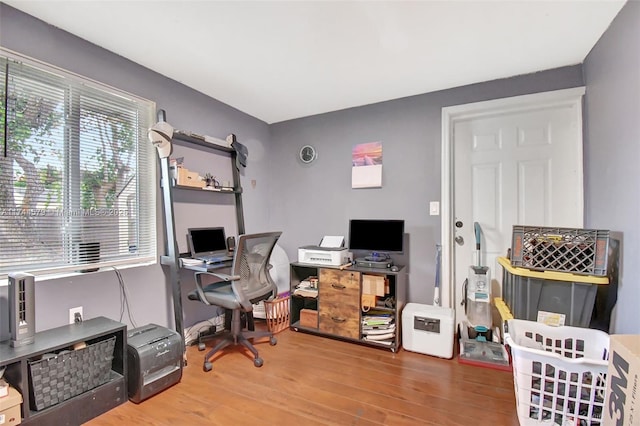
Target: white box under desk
428, 329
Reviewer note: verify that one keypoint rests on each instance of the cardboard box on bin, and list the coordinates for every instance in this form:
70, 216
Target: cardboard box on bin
623, 396
10, 408
189, 178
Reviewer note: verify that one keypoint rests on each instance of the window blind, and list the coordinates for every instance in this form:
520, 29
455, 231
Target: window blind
77, 172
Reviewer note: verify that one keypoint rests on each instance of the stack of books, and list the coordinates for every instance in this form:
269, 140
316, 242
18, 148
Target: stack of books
379, 328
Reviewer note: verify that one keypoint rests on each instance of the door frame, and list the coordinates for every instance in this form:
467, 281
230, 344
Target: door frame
452, 114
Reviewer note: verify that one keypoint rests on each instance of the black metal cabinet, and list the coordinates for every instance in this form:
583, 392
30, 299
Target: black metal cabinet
85, 406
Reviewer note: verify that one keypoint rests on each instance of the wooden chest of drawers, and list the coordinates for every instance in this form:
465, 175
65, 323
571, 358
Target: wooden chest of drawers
339, 303
335, 310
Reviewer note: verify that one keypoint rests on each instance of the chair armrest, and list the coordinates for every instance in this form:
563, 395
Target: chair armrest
222, 277
247, 306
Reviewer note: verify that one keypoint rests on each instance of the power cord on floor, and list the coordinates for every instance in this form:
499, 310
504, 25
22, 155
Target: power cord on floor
191, 336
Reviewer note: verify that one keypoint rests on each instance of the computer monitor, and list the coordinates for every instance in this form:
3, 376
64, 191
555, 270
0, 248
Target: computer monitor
207, 241
376, 236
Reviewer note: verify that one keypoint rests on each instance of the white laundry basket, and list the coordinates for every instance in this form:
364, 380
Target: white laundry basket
559, 373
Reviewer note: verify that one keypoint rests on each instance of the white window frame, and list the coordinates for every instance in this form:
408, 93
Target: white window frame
138, 224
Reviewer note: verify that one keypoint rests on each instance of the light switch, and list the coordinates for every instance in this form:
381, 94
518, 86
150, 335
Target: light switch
434, 208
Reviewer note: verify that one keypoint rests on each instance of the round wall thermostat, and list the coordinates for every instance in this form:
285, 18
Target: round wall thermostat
308, 154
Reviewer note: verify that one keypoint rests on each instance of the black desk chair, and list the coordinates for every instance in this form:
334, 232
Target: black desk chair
249, 283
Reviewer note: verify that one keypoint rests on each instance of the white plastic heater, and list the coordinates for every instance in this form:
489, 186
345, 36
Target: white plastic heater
22, 316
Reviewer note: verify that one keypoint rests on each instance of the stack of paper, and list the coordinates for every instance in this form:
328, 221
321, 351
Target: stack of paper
306, 292
376, 320
191, 262
379, 328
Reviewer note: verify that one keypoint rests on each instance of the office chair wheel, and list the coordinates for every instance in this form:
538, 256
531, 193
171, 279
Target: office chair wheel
207, 366
273, 341
201, 347
258, 362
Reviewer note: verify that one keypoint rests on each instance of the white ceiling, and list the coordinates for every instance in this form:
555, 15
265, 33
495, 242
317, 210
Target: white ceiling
279, 60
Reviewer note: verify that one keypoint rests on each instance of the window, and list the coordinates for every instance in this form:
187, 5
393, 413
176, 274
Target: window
77, 172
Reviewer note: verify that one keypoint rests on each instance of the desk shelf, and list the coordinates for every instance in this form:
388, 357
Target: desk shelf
169, 186
187, 138
213, 191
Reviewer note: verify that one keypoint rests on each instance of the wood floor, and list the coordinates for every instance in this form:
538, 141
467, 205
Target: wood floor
312, 380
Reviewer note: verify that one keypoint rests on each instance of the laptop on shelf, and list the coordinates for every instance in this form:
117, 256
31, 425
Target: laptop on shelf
208, 244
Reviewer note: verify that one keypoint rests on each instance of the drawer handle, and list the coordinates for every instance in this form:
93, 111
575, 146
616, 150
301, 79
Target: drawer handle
338, 319
338, 286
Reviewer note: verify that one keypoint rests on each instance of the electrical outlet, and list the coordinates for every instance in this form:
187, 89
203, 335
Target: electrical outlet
73, 312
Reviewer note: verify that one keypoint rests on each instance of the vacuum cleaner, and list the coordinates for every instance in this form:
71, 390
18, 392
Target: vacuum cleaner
476, 334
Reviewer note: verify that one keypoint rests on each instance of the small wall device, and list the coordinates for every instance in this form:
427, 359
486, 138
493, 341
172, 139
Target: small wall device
22, 312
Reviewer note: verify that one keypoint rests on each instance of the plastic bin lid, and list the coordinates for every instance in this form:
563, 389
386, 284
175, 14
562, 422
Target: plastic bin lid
551, 275
420, 309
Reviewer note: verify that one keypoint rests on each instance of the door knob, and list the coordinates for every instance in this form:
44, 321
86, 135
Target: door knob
460, 240
459, 224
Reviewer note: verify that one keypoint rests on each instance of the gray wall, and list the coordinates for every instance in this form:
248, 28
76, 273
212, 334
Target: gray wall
149, 291
612, 150
309, 201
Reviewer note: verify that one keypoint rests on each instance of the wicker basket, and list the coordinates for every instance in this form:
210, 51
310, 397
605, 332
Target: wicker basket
277, 313
61, 376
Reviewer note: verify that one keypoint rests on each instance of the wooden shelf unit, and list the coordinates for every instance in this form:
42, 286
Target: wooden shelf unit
339, 301
85, 406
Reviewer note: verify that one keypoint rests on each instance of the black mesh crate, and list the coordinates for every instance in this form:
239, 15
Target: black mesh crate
58, 377
573, 250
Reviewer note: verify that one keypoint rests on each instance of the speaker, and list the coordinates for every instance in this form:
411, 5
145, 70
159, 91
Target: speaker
22, 310
89, 253
231, 244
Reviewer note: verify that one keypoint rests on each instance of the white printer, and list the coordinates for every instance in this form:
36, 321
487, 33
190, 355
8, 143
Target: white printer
330, 252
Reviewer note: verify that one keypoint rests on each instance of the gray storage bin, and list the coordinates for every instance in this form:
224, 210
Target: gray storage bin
527, 292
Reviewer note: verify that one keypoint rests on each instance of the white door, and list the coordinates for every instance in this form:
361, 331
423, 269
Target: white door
512, 165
